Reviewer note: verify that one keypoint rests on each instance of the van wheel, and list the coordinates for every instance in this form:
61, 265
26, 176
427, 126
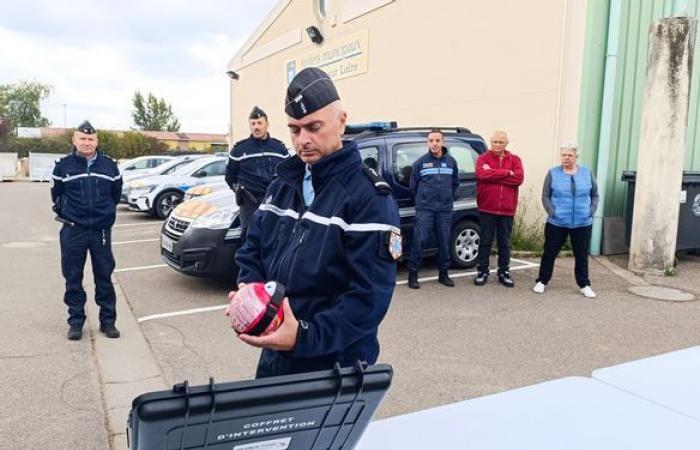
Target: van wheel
166, 202
465, 244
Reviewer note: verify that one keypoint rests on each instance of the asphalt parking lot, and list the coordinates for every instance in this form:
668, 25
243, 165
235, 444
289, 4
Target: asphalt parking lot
445, 344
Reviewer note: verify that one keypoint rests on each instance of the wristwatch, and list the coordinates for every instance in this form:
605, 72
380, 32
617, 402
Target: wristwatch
302, 330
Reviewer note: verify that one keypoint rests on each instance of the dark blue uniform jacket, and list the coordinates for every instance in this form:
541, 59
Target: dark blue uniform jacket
434, 182
333, 258
87, 197
252, 163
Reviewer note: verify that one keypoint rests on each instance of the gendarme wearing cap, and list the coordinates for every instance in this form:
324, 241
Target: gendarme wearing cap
326, 230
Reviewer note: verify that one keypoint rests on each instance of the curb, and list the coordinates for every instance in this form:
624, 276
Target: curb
626, 275
126, 369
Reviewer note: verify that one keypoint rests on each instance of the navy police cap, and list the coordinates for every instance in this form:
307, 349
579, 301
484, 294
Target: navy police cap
86, 128
310, 90
257, 113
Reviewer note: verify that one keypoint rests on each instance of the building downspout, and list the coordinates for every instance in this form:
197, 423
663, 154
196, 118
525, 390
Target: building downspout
606, 118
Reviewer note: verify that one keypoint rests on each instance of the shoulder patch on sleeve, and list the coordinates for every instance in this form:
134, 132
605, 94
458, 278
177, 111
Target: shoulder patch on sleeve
379, 183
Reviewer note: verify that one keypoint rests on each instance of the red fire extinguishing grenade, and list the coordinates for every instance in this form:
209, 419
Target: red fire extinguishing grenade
256, 309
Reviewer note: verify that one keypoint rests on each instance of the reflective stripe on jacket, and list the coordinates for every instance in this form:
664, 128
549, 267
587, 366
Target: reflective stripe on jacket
333, 257
252, 163
435, 182
86, 195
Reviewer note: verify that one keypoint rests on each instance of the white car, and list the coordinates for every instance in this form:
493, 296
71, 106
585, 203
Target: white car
167, 168
142, 164
158, 195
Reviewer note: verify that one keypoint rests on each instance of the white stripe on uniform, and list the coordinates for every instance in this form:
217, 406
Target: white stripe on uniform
256, 155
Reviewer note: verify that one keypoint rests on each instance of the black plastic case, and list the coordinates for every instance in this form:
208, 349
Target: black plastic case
317, 410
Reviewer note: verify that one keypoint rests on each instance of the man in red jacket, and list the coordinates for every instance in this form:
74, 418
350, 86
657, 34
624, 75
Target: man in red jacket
498, 175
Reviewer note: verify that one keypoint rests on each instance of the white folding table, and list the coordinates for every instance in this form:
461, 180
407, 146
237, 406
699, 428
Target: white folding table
567, 414
671, 380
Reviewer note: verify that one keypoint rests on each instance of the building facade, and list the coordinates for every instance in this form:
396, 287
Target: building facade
535, 69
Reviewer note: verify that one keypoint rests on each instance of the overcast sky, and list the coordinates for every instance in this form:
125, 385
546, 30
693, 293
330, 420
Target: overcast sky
96, 54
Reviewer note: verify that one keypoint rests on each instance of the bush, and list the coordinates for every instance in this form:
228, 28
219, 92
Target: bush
128, 145
528, 235
22, 146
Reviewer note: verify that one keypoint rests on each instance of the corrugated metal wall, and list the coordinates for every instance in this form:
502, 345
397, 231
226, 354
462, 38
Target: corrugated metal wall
631, 65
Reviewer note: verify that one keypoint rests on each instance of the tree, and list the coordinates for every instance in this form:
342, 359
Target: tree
153, 114
21, 103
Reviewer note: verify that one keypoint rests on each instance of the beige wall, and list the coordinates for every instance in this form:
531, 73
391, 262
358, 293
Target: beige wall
485, 65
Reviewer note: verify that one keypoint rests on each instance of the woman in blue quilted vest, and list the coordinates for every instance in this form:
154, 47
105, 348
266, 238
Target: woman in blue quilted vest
570, 197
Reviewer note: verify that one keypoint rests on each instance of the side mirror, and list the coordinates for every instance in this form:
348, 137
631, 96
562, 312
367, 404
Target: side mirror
130, 168
200, 173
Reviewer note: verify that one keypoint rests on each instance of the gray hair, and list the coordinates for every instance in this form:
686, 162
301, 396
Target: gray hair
570, 145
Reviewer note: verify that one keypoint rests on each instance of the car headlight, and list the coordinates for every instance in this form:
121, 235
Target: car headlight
220, 219
141, 190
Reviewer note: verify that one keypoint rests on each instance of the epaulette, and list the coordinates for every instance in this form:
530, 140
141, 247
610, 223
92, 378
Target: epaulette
380, 185
240, 142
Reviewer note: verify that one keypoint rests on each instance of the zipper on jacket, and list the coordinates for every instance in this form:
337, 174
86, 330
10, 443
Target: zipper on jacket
90, 205
573, 201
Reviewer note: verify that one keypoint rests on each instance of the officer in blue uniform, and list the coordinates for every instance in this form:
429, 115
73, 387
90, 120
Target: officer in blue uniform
328, 230
251, 165
434, 183
85, 189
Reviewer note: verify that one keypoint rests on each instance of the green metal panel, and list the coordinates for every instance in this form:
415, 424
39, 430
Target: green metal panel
636, 18
592, 80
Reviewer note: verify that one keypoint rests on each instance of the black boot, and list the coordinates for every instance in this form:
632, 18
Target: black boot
110, 330
505, 279
481, 278
413, 280
445, 279
75, 333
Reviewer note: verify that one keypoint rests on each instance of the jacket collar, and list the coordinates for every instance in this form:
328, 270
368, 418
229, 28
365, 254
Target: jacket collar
490, 152
292, 169
444, 153
82, 160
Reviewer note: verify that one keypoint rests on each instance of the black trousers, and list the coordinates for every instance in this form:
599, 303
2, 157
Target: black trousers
427, 221
554, 238
500, 227
248, 202
76, 242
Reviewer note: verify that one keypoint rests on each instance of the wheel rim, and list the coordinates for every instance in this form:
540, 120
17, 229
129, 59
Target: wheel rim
168, 203
467, 245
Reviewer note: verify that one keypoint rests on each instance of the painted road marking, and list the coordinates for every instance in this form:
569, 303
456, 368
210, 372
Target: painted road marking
185, 312
136, 241
137, 224
132, 269
472, 273
181, 313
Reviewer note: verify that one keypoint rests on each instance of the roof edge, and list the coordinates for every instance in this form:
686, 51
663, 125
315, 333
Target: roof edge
236, 62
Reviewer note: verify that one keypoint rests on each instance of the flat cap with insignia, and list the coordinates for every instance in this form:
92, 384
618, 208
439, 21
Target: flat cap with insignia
310, 90
86, 128
257, 113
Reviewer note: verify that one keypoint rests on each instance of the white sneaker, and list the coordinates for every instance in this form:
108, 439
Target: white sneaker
539, 288
588, 292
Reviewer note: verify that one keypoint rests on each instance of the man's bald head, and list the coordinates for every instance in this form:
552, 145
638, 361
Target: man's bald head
499, 142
